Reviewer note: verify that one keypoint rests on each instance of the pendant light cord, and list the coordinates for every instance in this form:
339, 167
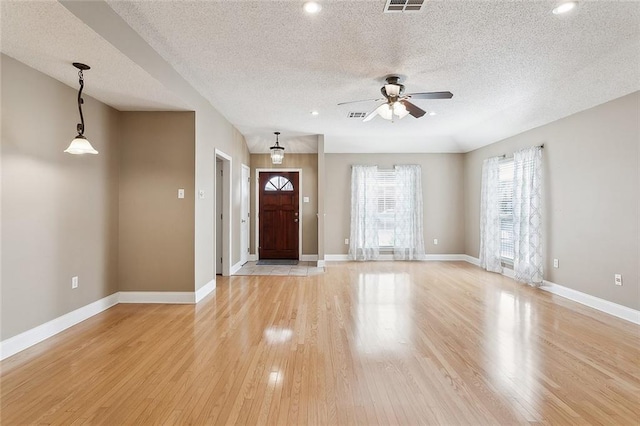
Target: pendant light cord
80, 102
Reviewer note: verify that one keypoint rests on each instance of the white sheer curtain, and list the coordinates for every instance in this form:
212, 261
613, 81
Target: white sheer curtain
408, 235
490, 256
527, 216
363, 240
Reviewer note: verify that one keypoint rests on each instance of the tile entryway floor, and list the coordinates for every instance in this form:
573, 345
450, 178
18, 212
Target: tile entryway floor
302, 269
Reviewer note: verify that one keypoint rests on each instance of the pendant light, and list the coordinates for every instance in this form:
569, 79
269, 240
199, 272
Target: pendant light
80, 145
277, 152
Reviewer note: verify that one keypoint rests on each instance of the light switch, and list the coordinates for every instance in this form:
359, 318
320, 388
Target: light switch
305, 199
181, 193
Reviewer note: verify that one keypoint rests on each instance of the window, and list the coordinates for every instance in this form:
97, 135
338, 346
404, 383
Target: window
386, 188
505, 190
386, 212
279, 183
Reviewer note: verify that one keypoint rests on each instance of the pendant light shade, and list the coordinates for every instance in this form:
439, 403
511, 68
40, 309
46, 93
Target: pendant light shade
277, 152
80, 144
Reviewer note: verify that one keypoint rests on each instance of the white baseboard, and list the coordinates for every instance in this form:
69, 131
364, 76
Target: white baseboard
42, 332
37, 334
336, 257
471, 259
594, 302
172, 297
204, 291
253, 257
320, 264
235, 268
610, 308
388, 257
445, 257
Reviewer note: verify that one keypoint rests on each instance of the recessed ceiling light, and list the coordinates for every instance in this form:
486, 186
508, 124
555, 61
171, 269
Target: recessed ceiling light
564, 7
315, 113
432, 113
312, 7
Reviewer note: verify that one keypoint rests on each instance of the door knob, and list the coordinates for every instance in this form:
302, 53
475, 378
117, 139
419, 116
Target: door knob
295, 220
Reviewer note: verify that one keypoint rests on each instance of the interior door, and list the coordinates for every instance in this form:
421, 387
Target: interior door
218, 221
279, 215
244, 219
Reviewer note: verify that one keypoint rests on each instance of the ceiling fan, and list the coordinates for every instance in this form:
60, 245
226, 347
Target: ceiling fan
397, 102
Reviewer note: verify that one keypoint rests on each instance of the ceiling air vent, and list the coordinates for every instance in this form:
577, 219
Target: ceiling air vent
394, 6
357, 114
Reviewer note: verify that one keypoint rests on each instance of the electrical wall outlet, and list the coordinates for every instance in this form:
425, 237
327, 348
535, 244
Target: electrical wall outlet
180, 193
201, 193
346, 241
617, 279
74, 282
435, 241
556, 263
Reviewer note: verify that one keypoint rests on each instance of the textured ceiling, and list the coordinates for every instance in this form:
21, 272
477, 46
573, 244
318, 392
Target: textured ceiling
265, 65
47, 37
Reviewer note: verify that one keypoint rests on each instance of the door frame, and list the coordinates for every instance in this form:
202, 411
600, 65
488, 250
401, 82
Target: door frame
257, 210
226, 212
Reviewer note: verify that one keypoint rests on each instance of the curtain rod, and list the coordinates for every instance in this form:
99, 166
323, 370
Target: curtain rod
505, 155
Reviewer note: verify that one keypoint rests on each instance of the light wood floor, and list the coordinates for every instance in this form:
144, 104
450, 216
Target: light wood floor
366, 343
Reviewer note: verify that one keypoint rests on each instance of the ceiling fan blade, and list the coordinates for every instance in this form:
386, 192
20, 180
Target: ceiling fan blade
430, 95
413, 110
364, 100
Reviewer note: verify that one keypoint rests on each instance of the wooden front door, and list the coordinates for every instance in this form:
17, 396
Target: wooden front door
279, 217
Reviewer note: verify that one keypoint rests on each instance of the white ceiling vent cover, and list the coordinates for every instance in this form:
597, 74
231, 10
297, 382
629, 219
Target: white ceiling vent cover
395, 6
357, 114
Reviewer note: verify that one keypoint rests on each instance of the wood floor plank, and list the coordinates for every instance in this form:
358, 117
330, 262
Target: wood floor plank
364, 343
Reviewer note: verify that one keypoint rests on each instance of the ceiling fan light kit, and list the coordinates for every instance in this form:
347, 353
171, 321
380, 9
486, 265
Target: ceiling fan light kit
400, 110
397, 102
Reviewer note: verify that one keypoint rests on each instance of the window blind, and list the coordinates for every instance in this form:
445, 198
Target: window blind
386, 183
505, 188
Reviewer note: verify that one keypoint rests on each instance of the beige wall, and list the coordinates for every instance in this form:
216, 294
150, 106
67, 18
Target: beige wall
213, 132
309, 165
591, 197
442, 183
156, 238
322, 178
59, 211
